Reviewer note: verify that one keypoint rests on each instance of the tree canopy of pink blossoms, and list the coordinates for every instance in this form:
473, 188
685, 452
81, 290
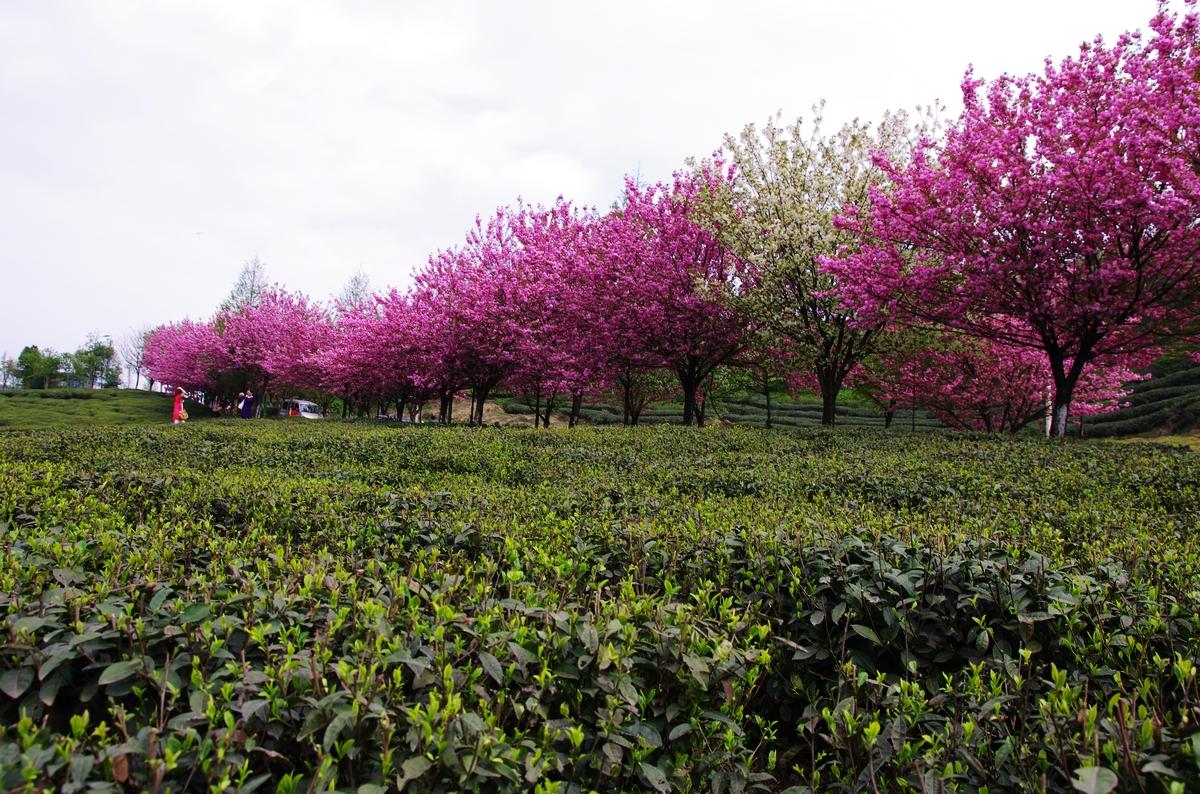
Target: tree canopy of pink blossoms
1041, 251
562, 349
1060, 214
668, 275
279, 339
186, 353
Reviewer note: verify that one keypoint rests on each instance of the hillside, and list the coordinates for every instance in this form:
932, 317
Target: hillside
33, 408
1169, 402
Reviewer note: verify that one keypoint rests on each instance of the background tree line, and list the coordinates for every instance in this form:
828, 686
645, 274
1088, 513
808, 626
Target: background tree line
1026, 260
97, 363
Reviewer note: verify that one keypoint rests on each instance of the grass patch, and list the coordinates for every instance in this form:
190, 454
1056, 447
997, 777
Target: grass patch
34, 408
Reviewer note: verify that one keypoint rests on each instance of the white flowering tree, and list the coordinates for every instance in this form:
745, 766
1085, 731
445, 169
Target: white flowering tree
778, 217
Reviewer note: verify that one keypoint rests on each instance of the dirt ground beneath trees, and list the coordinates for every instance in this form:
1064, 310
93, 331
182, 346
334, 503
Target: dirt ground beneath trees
493, 414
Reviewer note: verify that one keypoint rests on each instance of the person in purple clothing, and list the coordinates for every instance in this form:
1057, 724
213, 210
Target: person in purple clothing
247, 405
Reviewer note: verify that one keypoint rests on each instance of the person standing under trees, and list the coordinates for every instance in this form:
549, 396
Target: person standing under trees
178, 415
246, 406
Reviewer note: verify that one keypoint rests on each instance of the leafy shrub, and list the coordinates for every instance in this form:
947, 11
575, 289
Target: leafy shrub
294, 607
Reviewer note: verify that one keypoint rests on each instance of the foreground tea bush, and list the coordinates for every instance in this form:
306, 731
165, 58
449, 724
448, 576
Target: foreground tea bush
299, 608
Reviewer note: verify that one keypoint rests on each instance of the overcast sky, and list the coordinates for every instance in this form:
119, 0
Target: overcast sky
147, 149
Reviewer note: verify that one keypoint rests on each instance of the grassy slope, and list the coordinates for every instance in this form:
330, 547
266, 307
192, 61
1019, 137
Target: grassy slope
35, 408
1189, 440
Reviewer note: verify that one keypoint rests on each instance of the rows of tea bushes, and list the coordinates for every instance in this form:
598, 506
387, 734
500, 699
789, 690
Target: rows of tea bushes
746, 409
291, 607
1167, 402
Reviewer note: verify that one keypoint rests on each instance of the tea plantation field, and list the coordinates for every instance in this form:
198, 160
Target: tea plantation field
289, 607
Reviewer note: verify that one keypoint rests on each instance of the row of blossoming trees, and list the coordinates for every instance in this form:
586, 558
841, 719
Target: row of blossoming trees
1026, 260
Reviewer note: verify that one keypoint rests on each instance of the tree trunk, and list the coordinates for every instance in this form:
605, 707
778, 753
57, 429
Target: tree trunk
1064, 392
1065, 381
830, 386
445, 407
480, 393
690, 381
1058, 421
767, 394
689, 404
549, 408
576, 407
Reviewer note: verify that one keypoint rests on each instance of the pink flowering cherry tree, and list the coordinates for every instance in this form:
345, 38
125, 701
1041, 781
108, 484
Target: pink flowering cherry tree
668, 275
1061, 214
187, 353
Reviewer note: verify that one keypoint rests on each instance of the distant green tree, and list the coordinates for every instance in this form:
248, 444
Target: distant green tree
777, 216
94, 363
37, 369
357, 292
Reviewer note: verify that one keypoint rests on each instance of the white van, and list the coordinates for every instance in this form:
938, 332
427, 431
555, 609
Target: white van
302, 408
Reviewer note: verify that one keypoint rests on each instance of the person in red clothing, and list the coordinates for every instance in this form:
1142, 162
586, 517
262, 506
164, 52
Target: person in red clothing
178, 409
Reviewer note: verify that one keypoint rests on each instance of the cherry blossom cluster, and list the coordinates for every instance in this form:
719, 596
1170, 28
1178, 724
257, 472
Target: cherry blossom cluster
556, 303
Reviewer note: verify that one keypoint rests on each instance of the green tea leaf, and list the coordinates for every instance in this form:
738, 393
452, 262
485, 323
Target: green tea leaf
1095, 780
117, 671
14, 683
413, 768
654, 776
195, 613
867, 632
491, 666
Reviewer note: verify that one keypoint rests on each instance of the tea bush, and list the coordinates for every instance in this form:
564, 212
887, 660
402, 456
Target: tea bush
285, 607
